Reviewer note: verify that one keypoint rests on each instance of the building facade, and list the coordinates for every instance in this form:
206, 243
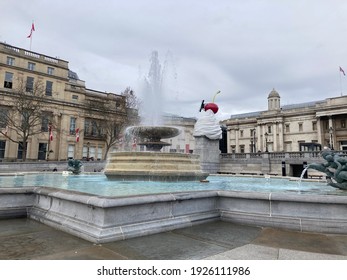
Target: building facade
306, 126
72, 114
185, 141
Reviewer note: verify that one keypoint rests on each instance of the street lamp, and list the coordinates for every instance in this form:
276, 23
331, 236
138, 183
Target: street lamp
266, 135
331, 130
88, 145
254, 141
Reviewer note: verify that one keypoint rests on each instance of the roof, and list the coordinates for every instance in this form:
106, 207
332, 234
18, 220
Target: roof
273, 93
72, 75
283, 108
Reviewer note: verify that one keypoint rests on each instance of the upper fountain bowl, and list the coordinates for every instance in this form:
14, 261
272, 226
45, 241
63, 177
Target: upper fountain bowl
150, 136
153, 132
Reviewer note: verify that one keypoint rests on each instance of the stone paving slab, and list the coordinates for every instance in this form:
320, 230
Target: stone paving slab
94, 252
165, 246
285, 254
20, 226
35, 244
310, 242
248, 252
225, 234
28, 239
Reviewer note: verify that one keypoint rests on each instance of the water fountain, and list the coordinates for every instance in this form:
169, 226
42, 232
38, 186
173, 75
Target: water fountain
152, 164
100, 218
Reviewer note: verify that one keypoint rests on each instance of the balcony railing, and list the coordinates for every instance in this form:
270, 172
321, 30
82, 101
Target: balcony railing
275, 155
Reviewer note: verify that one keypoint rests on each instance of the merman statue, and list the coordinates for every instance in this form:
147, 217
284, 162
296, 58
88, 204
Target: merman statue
74, 165
335, 168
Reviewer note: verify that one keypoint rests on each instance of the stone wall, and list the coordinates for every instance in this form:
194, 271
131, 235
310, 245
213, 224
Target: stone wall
15, 167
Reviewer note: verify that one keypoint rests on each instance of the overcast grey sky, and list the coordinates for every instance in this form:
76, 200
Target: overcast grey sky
242, 47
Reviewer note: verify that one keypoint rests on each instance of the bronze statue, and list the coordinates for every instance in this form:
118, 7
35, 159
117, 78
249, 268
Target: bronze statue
335, 168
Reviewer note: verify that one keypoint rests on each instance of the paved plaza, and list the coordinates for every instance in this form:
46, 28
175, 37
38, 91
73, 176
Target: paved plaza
27, 239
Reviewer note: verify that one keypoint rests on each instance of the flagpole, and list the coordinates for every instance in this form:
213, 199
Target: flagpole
31, 34
340, 83
31, 37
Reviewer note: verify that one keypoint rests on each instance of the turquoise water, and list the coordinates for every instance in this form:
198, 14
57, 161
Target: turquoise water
99, 184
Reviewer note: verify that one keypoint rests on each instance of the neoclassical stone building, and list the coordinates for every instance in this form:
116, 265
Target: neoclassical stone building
290, 128
74, 111
70, 126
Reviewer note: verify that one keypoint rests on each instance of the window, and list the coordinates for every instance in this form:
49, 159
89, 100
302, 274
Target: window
242, 149
8, 80
287, 127
314, 126
92, 153
25, 120
94, 129
85, 152
42, 151
71, 151
49, 87
241, 133
2, 148
300, 127
50, 70
269, 129
72, 126
86, 127
20, 150
10, 61
31, 66
343, 123
30, 84
3, 117
75, 97
45, 121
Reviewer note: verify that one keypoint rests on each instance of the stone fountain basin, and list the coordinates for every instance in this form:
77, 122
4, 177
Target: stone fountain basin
103, 219
154, 166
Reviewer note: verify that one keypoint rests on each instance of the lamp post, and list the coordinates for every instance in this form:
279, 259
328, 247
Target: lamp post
88, 145
254, 142
266, 135
253, 149
331, 130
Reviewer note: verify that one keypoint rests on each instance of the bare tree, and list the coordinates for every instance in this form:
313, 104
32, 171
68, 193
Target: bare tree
131, 100
106, 119
23, 114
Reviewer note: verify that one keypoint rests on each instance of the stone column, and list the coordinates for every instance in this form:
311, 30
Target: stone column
209, 154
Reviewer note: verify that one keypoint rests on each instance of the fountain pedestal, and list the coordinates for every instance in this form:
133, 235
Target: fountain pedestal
209, 152
154, 166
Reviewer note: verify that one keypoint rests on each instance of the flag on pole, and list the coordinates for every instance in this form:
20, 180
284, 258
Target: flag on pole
50, 133
77, 134
343, 72
31, 31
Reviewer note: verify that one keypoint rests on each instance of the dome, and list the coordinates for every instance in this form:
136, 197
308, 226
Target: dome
273, 93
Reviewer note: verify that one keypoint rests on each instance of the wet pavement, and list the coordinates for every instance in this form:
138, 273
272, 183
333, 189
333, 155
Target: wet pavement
27, 239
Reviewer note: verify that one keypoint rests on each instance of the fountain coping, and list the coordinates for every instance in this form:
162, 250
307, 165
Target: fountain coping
103, 219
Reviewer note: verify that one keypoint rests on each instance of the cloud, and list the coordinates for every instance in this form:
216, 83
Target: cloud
243, 48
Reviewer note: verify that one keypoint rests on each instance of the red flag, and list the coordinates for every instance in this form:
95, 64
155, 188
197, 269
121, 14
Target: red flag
77, 134
31, 31
343, 72
50, 133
